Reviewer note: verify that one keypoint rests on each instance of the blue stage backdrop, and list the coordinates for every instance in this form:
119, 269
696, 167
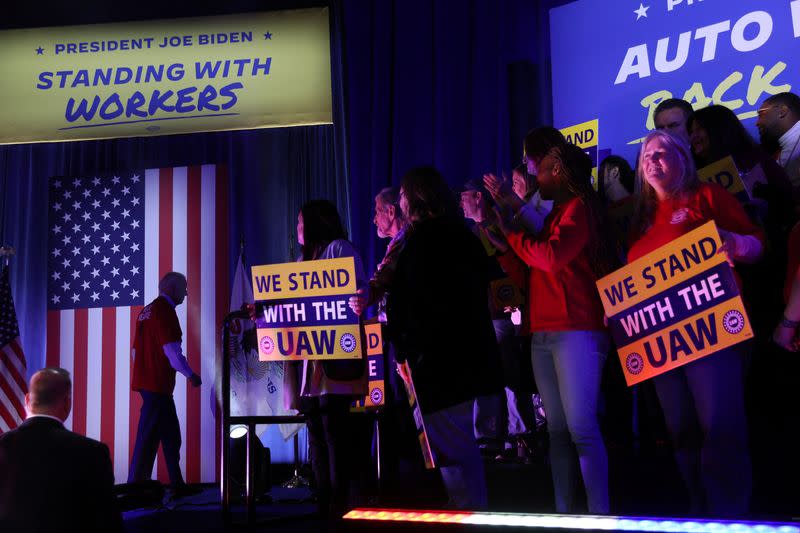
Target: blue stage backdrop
614, 61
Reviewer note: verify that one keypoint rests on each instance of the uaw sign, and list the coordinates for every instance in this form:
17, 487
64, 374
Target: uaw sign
725, 173
585, 135
302, 310
376, 385
674, 306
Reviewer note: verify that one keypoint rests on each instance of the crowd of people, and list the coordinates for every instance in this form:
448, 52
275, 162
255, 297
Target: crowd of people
554, 234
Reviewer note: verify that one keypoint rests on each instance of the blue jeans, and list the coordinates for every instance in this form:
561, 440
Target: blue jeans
703, 404
567, 366
456, 454
498, 416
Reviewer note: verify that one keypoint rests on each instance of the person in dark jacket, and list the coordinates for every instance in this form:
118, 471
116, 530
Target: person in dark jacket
52, 479
440, 324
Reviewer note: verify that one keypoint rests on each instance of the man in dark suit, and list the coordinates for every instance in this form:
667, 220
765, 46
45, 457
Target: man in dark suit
52, 479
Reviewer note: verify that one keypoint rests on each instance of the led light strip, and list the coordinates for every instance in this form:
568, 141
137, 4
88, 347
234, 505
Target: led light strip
607, 523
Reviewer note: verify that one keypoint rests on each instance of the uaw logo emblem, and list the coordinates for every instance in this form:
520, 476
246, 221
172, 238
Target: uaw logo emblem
267, 345
348, 342
733, 321
376, 395
634, 363
505, 292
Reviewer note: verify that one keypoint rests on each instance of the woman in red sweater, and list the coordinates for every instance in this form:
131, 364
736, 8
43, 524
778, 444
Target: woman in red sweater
569, 344
703, 402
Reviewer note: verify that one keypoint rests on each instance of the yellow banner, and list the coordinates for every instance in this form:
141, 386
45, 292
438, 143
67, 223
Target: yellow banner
325, 277
725, 173
161, 77
674, 305
422, 434
585, 135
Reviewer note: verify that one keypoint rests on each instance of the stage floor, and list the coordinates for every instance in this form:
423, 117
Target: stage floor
642, 483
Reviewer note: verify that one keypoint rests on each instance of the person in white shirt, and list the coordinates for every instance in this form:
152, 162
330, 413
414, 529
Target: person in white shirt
779, 128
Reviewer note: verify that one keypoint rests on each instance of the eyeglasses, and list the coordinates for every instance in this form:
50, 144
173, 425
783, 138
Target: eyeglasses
764, 110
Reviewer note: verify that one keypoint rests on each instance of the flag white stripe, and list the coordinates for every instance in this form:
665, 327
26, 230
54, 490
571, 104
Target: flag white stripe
208, 328
3, 426
67, 348
12, 355
94, 372
151, 249
179, 260
122, 386
6, 401
151, 195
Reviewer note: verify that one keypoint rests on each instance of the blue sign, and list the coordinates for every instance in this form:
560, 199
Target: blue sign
615, 61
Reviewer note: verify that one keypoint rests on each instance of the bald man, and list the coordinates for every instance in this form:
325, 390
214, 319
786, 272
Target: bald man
157, 356
52, 479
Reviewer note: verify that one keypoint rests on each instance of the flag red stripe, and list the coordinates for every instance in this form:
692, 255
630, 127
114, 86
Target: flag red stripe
5, 359
15, 400
79, 371
222, 284
164, 221
109, 371
53, 338
135, 404
18, 402
193, 277
162, 473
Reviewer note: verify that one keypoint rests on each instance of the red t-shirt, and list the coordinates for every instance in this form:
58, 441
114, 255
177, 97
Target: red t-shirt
674, 218
156, 326
562, 294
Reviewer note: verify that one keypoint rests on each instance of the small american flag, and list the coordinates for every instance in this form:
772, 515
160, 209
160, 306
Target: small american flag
111, 239
12, 361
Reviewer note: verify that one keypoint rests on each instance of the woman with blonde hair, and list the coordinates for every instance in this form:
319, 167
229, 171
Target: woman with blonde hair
703, 401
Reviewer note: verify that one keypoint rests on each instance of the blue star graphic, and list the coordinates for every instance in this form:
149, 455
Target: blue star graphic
268, 35
40, 51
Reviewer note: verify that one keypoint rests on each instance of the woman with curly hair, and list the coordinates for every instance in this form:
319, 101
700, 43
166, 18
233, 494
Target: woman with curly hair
569, 343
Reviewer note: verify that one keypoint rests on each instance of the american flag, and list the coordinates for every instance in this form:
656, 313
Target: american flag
111, 239
12, 361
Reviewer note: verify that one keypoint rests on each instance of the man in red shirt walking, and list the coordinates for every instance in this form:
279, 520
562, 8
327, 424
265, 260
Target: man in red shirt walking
157, 355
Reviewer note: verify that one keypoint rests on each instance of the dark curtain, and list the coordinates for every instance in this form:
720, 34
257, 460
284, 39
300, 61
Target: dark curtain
450, 83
